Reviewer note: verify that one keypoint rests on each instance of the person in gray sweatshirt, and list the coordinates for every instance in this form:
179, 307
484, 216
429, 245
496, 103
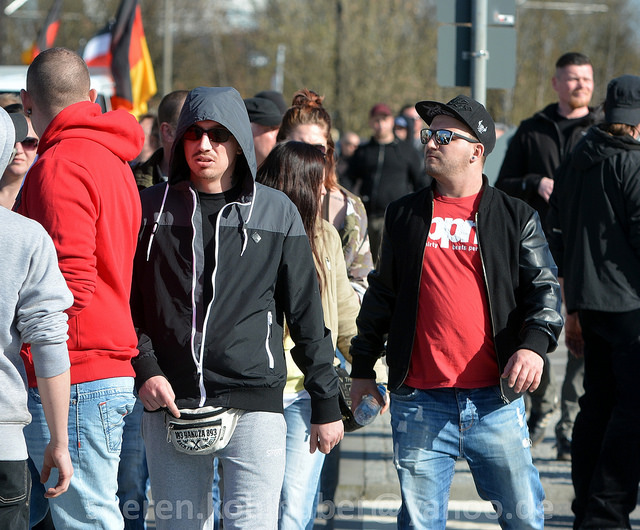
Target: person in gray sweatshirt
33, 298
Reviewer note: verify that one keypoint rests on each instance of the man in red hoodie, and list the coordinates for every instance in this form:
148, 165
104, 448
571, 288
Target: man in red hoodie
82, 191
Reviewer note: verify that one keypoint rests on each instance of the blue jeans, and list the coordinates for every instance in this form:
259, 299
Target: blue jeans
299, 496
133, 475
96, 418
432, 428
252, 471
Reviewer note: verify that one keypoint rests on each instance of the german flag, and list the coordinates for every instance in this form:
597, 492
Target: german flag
122, 46
47, 35
131, 63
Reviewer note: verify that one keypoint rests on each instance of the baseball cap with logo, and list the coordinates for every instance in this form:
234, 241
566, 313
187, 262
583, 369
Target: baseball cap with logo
623, 100
468, 111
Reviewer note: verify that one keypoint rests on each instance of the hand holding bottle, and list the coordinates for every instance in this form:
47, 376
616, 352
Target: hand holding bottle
370, 407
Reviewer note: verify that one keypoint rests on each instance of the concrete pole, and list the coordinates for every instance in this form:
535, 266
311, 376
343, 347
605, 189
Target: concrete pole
278, 79
167, 53
479, 53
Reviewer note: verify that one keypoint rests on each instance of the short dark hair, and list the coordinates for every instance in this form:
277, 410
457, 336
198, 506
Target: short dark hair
170, 107
573, 58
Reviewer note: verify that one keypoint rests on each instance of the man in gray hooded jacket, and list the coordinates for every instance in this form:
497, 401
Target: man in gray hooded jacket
221, 262
34, 296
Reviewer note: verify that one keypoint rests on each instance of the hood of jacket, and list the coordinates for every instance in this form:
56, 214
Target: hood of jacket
117, 130
223, 105
7, 137
599, 145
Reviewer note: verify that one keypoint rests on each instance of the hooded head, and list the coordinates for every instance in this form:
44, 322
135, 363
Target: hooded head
225, 106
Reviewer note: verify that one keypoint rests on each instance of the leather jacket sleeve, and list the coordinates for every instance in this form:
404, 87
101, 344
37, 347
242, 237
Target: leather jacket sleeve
540, 291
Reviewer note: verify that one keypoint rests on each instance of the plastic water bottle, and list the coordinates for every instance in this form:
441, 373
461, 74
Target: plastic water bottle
369, 407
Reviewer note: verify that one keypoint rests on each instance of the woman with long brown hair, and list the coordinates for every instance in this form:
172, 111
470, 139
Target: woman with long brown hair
298, 170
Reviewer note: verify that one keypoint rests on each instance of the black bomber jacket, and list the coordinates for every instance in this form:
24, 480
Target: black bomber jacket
519, 272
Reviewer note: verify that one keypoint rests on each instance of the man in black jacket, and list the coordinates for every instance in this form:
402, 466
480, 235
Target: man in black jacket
383, 170
595, 222
466, 305
221, 262
536, 150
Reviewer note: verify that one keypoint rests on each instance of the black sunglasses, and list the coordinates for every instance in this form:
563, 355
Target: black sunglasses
216, 134
29, 143
443, 136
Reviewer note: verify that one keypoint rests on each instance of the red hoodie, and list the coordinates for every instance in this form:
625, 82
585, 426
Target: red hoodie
82, 190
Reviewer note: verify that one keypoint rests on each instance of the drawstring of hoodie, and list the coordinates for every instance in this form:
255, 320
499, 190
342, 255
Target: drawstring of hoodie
154, 229
245, 235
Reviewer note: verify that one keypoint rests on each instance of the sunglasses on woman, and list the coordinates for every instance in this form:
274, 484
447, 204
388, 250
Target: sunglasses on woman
215, 134
443, 136
29, 143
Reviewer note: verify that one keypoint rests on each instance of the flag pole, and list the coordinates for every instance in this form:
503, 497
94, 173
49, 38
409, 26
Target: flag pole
167, 56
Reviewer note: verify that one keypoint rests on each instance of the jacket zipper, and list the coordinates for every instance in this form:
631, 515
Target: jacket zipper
493, 327
415, 318
198, 359
268, 337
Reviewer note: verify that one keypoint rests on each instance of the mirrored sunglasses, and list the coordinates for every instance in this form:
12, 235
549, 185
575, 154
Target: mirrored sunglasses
443, 136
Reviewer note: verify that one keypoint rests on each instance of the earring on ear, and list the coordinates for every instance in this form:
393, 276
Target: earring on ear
473, 158
28, 112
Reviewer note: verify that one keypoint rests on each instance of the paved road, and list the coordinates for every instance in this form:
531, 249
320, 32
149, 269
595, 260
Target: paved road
368, 495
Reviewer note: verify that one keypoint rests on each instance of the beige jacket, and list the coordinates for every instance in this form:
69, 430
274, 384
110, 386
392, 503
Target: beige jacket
339, 303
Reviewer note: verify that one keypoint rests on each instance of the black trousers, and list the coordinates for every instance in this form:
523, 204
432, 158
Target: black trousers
606, 437
15, 488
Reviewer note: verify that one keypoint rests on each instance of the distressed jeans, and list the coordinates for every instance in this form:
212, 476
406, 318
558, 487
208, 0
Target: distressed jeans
433, 428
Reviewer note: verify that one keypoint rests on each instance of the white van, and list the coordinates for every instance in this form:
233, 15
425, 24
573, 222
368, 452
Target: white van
14, 78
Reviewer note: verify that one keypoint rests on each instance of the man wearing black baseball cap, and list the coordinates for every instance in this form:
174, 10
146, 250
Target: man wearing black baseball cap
595, 237
466, 110
265, 118
384, 169
466, 305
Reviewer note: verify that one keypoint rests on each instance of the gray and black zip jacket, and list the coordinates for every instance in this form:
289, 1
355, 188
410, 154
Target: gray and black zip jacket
519, 273
230, 352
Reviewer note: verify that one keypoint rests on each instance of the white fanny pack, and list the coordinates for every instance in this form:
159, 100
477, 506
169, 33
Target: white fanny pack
201, 431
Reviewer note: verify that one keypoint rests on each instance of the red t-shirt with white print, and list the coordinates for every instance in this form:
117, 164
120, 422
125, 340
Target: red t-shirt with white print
453, 344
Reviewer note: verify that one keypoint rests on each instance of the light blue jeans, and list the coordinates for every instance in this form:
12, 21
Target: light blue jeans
432, 428
96, 418
253, 469
299, 497
133, 475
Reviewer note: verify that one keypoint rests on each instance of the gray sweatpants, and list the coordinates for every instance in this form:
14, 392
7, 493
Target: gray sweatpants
253, 464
